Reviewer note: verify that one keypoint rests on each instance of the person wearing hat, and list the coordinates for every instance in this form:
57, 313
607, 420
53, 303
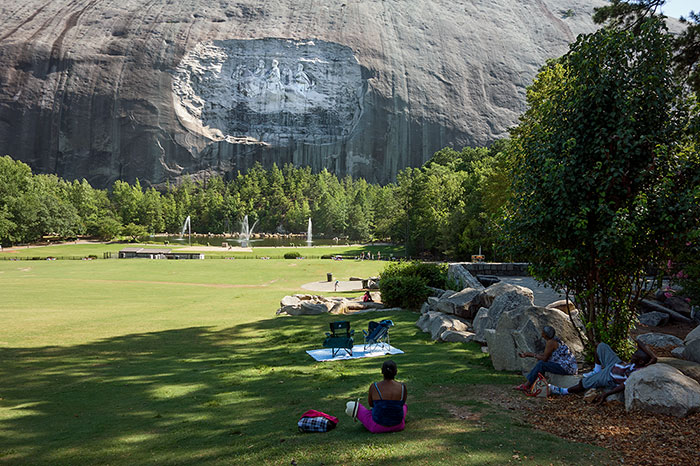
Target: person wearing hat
557, 358
387, 400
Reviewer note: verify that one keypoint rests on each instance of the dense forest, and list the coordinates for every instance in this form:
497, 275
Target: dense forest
447, 208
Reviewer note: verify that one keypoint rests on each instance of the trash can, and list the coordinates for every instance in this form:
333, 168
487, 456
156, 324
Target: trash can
329, 276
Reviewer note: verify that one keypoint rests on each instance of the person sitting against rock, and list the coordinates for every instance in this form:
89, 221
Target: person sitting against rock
367, 298
609, 373
388, 402
557, 358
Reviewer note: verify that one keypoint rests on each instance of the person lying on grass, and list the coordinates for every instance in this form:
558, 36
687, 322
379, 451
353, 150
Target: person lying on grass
557, 358
610, 373
388, 402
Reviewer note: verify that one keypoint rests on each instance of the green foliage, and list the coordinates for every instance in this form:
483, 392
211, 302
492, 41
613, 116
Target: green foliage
606, 173
434, 275
134, 231
408, 292
292, 255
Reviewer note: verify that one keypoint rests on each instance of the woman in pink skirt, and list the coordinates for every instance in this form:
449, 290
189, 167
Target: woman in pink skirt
387, 400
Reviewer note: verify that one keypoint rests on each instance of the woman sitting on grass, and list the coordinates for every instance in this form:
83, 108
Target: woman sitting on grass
556, 359
388, 402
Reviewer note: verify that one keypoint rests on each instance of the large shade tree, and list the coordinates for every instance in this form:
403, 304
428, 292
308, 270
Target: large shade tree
606, 173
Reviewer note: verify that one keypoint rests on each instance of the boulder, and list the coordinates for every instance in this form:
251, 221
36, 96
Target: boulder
290, 301
456, 336
564, 381
692, 350
660, 340
432, 303
653, 318
425, 308
678, 304
436, 323
446, 294
479, 324
488, 280
562, 305
647, 305
309, 308
512, 298
464, 303
695, 314
436, 291
520, 330
662, 389
693, 335
688, 368
501, 288
460, 274
677, 352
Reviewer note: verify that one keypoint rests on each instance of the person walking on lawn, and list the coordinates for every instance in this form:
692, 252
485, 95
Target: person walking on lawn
610, 373
557, 358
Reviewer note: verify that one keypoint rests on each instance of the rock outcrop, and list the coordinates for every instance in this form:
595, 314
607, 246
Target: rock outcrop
158, 90
662, 389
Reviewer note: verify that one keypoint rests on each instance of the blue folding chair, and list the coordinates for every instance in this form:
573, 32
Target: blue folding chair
377, 335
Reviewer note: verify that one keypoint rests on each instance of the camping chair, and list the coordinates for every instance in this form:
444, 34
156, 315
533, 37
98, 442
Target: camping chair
377, 334
340, 337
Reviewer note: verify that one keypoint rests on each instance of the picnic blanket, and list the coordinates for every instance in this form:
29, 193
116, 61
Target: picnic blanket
358, 351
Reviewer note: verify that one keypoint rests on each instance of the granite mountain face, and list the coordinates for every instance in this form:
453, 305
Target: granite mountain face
158, 89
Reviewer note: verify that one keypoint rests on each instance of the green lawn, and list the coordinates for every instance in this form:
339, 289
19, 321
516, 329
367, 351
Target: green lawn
184, 362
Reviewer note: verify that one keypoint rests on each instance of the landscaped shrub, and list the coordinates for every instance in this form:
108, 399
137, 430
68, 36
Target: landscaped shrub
405, 284
408, 292
434, 275
292, 255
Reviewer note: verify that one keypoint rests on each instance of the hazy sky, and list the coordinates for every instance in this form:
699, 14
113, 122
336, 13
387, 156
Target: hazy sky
677, 8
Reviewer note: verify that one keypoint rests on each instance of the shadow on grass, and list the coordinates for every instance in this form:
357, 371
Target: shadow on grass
202, 395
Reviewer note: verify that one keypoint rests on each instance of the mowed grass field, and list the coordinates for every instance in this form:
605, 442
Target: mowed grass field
184, 362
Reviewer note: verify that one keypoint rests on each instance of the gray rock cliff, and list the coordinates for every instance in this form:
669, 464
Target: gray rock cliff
160, 89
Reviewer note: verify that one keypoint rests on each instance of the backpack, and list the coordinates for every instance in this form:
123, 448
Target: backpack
316, 421
540, 388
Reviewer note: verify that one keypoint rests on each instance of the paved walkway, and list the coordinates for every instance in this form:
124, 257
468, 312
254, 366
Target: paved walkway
329, 287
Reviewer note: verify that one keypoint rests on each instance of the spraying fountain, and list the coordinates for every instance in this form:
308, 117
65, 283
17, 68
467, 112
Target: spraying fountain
246, 231
188, 227
308, 234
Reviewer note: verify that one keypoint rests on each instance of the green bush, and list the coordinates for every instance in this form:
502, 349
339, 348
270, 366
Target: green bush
408, 292
292, 255
434, 275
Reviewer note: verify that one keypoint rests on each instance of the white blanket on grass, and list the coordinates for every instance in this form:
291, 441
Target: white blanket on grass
358, 351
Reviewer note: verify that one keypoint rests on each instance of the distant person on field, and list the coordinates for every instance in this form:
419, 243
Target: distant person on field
336, 285
610, 372
557, 358
388, 402
367, 298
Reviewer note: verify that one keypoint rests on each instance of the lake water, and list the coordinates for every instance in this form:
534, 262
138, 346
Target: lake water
258, 242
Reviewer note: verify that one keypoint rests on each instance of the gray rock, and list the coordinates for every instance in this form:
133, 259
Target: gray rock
660, 340
464, 303
425, 308
677, 352
436, 323
480, 324
564, 381
562, 305
167, 93
693, 335
662, 389
520, 330
309, 308
446, 294
456, 336
691, 352
678, 304
461, 275
436, 291
653, 318
512, 298
695, 314
290, 301
432, 303
647, 305
688, 368
501, 288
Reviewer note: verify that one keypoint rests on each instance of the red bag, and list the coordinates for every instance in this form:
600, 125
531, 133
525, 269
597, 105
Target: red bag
540, 388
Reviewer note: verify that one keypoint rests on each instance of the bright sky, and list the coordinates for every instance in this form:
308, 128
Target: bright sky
677, 8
